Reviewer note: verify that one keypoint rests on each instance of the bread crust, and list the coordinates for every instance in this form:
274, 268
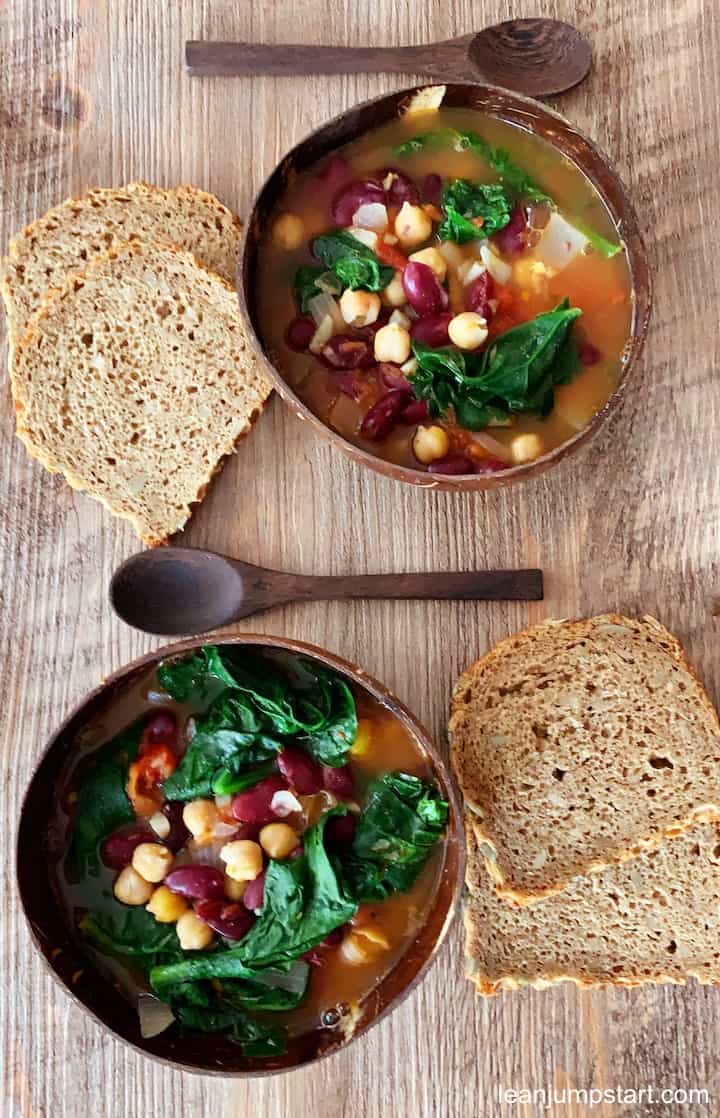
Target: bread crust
504, 885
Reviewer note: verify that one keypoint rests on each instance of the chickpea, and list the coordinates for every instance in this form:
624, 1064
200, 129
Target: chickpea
412, 225
525, 448
200, 817
243, 859
468, 330
359, 308
392, 343
362, 945
234, 889
167, 907
434, 260
278, 840
430, 443
394, 294
194, 934
131, 888
152, 860
288, 231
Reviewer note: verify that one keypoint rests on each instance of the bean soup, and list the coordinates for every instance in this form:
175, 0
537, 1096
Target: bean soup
447, 292
254, 848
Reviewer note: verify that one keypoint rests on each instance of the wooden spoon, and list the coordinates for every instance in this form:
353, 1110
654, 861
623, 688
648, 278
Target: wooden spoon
538, 57
177, 590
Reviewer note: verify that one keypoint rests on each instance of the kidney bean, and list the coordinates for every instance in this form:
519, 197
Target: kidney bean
179, 834
296, 853
452, 464
299, 333
340, 831
313, 957
423, 289
490, 466
513, 237
349, 199
401, 189
416, 411
383, 415
233, 921
432, 189
160, 729
335, 173
333, 939
432, 330
201, 883
478, 294
117, 849
253, 805
339, 780
254, 893
391, 377
588, 353
345, 352
300, 771
247, 831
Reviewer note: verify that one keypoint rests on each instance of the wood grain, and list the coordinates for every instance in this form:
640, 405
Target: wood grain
95, 92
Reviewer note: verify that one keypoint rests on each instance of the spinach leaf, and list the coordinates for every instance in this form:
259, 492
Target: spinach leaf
130, 931
199, 677
304, 901
403, 819
463, 200
512, 176
102, 804
516, 373
229, 739
354, 264
330, 740
205, 1012
275, 990
304, 285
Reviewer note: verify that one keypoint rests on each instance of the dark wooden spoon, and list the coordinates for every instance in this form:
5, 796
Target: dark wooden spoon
177, 590
538, 57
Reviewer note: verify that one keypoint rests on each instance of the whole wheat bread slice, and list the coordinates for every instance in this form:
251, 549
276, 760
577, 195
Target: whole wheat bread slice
69, 235
134, 380
654, 919
578, 744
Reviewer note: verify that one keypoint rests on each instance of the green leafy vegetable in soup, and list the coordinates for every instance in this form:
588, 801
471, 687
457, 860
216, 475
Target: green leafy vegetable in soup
230, 927
462, 201
354, 264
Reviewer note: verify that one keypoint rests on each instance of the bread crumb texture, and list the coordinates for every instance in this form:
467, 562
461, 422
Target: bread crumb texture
67, 237
134, 379
581, 744
654, 919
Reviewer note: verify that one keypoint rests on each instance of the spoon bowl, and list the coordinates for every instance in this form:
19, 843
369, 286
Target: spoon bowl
537, 57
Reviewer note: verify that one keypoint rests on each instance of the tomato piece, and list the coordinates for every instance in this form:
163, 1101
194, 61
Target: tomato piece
153, 766
388, 254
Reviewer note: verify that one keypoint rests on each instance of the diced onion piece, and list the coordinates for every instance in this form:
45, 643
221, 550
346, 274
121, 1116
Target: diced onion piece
410, 367
472, 272
322, 335
322, 305
154, 1016
560, 243
493, 446
364, 236
329, 283
284, 803
371, 215
452, 253
498, 269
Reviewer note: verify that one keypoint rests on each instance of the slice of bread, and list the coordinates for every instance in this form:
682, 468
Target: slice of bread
65, 239
578, 744
655, 919
134, 380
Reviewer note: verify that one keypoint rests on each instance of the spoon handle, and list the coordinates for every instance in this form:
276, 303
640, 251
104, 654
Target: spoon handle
468, 585
205, 59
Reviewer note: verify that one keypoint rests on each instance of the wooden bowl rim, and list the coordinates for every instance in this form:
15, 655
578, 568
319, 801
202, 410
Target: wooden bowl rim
454, 842
525, 112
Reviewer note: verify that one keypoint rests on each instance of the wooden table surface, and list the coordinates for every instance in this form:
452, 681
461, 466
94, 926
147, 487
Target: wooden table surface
92, 92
